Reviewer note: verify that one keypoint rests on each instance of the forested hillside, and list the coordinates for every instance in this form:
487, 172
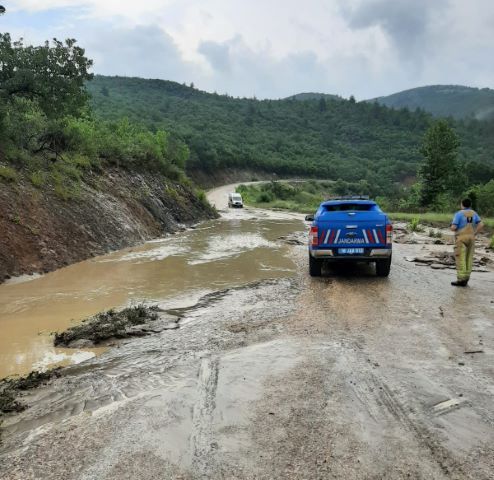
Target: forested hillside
445, 100
329, 138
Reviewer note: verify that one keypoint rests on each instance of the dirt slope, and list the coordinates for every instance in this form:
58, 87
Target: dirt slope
41, 232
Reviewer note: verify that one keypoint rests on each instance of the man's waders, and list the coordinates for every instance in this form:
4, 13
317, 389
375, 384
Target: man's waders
465, 248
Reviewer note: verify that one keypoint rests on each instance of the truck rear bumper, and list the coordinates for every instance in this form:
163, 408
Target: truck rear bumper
370, 255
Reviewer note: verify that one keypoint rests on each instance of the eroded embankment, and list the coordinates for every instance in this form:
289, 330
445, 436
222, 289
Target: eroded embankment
113, 210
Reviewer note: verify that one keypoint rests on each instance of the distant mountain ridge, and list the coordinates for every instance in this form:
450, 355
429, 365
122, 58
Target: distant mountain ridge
457, 101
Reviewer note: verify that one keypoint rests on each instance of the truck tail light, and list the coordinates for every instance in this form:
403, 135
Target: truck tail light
314, 236
389, 234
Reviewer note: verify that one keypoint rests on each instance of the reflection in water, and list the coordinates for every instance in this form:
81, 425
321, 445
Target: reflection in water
237, 249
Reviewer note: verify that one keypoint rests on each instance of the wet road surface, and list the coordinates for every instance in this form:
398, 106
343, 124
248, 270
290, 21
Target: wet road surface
282, 376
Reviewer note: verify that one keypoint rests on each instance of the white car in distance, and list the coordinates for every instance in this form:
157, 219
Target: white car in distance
235, 200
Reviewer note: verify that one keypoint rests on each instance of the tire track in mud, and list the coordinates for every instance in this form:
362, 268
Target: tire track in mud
201, 439
378, 398
331, 315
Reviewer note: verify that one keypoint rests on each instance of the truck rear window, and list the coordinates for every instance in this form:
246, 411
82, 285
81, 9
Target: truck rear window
355, 207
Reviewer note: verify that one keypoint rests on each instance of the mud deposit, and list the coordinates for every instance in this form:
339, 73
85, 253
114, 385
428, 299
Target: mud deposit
283, 376
129, 322
11, 389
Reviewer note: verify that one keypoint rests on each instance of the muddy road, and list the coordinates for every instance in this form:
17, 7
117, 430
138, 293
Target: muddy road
175, 270
273, 374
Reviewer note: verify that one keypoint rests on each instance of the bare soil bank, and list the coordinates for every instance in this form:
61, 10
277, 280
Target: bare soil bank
42, 232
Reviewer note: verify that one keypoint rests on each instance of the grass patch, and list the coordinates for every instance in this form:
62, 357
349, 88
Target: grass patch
8, 174
38, 178
414, 224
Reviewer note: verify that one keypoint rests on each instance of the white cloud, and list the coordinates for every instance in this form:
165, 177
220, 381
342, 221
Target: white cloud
272, 48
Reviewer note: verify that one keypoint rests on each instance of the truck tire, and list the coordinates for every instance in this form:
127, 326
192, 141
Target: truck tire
383, 267
315, 266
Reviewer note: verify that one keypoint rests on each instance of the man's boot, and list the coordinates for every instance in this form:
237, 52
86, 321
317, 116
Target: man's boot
460, 283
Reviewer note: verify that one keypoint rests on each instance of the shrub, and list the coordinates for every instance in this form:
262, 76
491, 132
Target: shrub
201, 195
8, 174
414, 225
484, 195
264, 197
38, 178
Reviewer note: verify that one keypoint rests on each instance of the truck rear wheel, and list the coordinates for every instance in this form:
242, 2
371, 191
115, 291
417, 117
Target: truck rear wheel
315, 267
383, 267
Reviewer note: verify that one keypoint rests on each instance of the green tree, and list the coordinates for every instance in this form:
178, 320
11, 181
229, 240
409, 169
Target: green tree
437, 171
322, 105
53, 75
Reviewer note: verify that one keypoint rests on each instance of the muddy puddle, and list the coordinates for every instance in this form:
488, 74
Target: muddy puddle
239, 248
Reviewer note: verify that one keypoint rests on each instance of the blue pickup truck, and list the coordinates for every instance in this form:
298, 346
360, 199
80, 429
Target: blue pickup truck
350, 229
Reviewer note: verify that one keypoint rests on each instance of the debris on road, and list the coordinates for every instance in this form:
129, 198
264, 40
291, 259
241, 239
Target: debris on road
294, 239
446, 406
131, 322
11, 387
440, 260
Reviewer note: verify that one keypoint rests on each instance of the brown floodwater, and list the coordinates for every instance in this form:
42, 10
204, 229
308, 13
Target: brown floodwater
239, 248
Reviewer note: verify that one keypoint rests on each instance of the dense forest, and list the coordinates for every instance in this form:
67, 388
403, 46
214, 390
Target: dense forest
328, 137
445, 101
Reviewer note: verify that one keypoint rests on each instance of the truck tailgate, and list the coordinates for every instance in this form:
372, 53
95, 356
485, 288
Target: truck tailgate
359, 229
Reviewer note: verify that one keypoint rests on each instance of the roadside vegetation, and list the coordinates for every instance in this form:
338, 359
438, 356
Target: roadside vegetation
297, 196
305, 197
48, 133
441, 181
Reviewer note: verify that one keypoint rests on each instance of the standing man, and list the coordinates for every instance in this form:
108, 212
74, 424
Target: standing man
466, 224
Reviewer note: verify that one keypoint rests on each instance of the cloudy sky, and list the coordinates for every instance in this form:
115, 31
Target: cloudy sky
274, 48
